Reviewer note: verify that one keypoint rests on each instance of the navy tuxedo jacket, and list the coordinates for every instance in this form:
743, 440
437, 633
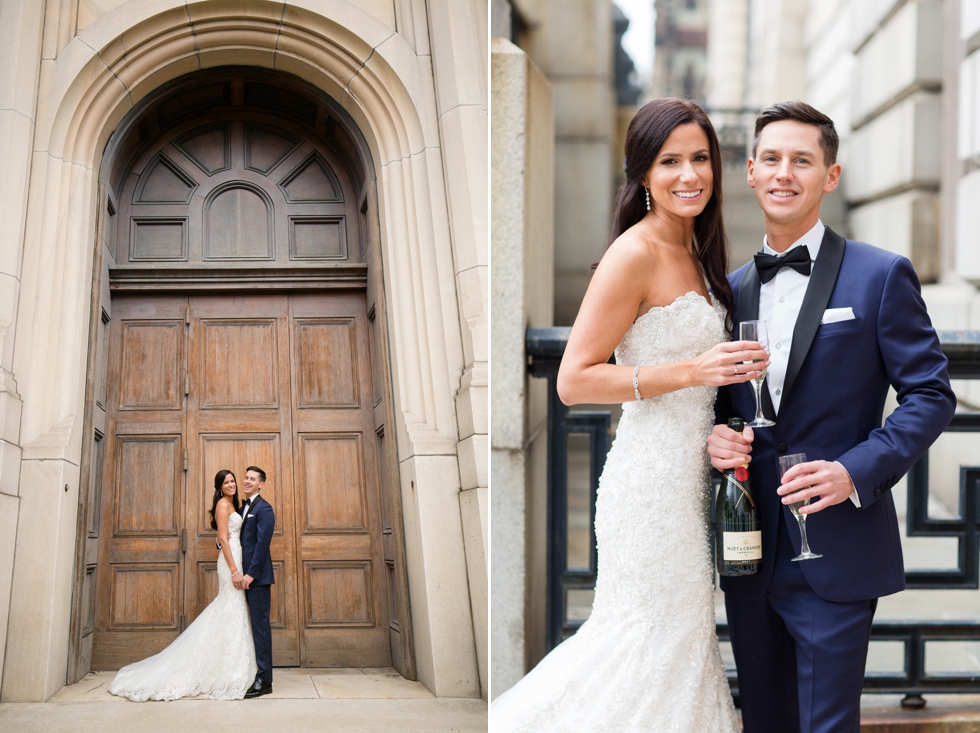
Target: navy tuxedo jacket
837, 379
260, 520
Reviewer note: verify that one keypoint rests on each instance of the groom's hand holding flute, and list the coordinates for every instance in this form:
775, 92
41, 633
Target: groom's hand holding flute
825, 483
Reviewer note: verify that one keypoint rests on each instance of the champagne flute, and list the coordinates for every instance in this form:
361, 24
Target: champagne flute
786, 463
757, 331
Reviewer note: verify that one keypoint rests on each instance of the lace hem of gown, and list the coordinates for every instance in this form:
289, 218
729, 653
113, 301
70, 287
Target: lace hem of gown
213, 658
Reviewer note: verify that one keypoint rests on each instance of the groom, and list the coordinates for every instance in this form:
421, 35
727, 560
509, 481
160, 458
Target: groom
259, 521
846, 321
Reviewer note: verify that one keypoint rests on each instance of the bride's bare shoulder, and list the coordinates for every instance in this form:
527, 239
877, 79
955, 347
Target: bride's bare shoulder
632, 253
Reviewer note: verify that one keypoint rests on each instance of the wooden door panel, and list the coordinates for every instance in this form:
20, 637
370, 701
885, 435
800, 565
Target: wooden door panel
278, 610
343, 603
207, 584
327, 368
236, 451
144, 596
331, 483
265, 148
241, 364
239, 224
139, 574
339, 594
151, 365
88, 601
146, 490
208, 147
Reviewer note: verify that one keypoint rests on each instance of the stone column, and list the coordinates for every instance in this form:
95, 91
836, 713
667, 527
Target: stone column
458, 32
522, 185
893, 166
728, 51
21, 24
777, 58
956, 303
572, 43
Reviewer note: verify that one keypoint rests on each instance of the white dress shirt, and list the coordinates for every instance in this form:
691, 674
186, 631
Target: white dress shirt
780, 301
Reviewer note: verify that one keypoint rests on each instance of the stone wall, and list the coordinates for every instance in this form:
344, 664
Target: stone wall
572, 43
522, 166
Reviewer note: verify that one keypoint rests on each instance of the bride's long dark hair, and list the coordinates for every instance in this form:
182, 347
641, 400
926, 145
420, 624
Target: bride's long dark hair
219, 479
646, 135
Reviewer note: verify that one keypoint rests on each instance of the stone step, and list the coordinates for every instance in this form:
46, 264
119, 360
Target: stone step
942, 714
968, 722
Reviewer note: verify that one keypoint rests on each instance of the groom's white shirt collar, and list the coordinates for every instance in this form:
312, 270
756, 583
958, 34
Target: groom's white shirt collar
812, 239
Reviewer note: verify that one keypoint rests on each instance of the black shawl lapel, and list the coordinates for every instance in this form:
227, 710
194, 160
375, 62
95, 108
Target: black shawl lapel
818, 291
748, 310
748, 296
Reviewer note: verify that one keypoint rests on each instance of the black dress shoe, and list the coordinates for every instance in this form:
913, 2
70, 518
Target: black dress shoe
258, 688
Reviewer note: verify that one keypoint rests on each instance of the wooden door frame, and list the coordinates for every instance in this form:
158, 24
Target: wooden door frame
347, 276
77, 668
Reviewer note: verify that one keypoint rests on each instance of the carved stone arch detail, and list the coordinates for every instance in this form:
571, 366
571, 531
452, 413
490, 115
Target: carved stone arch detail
238, 223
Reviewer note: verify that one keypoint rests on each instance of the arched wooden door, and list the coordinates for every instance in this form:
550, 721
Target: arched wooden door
239, 332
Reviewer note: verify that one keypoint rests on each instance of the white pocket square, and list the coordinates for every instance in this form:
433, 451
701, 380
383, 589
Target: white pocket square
252, 515
834, 315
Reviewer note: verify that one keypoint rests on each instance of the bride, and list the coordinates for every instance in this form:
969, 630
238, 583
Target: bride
647, 658
214, 657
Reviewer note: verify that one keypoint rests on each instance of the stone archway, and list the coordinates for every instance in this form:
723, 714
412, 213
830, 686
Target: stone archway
237, 199
386, 87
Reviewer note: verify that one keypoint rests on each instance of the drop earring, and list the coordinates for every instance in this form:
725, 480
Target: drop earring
647, 190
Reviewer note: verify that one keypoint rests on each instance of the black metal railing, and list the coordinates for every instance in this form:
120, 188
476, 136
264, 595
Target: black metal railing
545, 347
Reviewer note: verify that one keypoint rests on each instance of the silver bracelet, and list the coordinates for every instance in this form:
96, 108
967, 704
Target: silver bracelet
636, 382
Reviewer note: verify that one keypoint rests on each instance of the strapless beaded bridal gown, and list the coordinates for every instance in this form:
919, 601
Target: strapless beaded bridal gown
214, 657
647, 659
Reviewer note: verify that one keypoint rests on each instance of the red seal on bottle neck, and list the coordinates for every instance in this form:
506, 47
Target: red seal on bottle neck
741, 473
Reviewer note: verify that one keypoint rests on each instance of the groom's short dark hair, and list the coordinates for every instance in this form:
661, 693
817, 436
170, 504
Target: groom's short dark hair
258, 470
801, 112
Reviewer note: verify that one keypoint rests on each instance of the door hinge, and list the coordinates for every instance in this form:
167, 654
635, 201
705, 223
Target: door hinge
183, 454
187, 314
183, 623
187, 383
183, 540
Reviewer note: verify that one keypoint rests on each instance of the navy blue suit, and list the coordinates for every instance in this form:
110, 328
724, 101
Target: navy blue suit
257, 527
800, 630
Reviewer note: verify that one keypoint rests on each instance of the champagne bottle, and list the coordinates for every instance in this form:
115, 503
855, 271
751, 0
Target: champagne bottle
738, 532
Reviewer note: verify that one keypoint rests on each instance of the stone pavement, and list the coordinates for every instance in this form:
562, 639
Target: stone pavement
335, 700
942, 714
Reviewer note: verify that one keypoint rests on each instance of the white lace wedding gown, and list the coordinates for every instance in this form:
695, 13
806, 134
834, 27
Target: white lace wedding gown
647, 659
214, 657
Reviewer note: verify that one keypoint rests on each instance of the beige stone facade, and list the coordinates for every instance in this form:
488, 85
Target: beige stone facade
898, 79
413, 78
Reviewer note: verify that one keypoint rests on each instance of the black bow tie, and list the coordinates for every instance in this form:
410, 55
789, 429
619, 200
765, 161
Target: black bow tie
768, 265
247, 503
